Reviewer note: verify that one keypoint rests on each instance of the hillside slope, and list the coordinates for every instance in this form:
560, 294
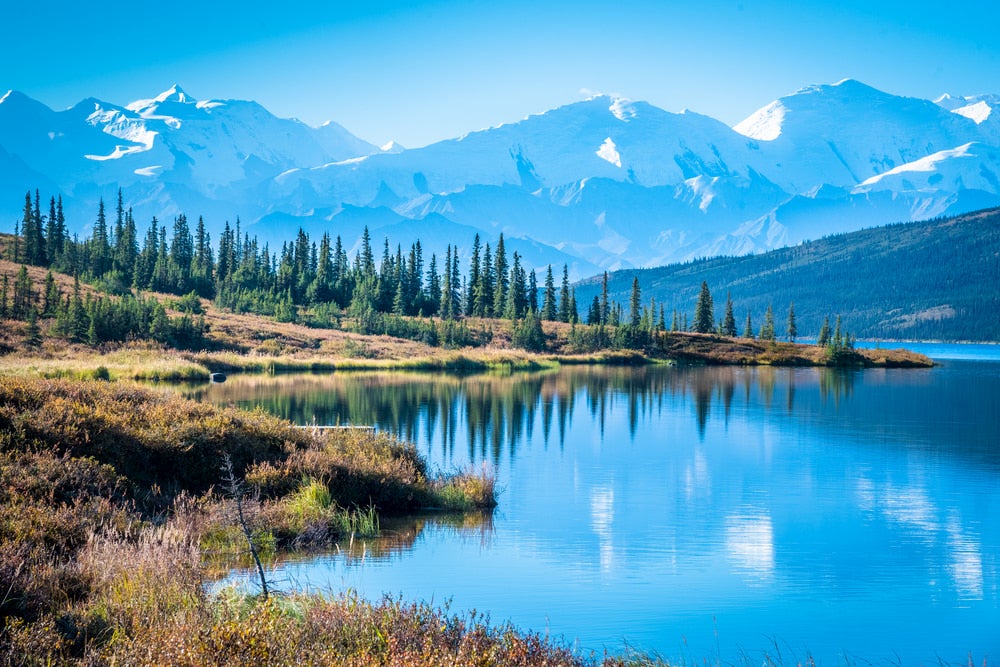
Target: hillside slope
936, 279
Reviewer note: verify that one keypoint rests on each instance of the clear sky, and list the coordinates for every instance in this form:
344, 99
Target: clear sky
418, 72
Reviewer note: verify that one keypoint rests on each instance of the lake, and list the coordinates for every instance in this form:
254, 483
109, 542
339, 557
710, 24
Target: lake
716, 513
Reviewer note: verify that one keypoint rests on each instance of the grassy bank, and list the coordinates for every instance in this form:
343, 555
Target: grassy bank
143, 361
111, 503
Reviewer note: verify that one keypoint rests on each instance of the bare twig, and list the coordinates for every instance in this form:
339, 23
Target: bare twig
234, 487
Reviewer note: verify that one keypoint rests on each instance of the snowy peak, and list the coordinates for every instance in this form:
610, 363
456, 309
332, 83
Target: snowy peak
392, 146
172, 102
175, 94
822, 102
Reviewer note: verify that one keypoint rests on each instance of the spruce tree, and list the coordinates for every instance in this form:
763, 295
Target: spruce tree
446, 307
100, 250
433, 286
502, 279
594, 312
474, 277
767, 331
53, 236
564, 306
52, 296
728, 321
824, 333
31, 230
704, 315
532, 291
549, 297
793, 330
605, 302
483, 294
748, 328
634, 305
23, 294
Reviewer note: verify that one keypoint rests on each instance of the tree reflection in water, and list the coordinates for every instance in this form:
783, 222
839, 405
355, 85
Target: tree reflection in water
498, 412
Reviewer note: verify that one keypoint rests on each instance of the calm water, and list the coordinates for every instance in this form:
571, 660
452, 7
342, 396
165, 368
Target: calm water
699, 513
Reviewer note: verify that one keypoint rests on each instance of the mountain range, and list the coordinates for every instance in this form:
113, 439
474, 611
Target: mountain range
605, 183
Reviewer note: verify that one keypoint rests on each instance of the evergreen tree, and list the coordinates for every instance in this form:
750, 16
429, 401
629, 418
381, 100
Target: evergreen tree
202, 263
447, 307
502, 279
549, 297
704, 312
767, 332
532, 291
321, 288
160, 279
4, 311
181, 257
24, 296
824, 333
77, 314
456, 285
31, 229
100, 249
793, 330
367, 258
39, 233
52, 296
527, 333
748, 328
474, 278
119, 229
594, 312
605, 303
838, 338
517, 295
126, 248
15, 255
634, 303
53, 234
728, 327
145, 261
433, 286
564, 305
483, 293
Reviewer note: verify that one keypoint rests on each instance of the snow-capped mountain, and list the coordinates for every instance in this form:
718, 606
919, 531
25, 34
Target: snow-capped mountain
605, 182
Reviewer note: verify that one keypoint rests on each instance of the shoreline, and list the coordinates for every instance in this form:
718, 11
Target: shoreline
152, 363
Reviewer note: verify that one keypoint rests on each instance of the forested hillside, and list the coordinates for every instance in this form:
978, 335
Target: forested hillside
936, 279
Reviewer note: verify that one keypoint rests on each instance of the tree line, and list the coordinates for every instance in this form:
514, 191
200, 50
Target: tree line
318, 284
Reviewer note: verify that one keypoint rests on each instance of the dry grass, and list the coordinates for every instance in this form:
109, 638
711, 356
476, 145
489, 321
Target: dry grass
107, 506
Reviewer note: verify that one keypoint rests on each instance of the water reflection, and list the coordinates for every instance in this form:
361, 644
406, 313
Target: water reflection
496, 414
835, 510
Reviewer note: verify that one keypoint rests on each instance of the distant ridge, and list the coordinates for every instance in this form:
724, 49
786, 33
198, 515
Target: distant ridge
931, 280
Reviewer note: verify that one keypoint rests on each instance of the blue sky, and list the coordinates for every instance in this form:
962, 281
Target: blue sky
421, 72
